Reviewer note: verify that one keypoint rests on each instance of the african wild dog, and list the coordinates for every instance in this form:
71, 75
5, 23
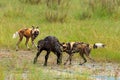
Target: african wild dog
67, 47
77, 47
27, 33
49, 43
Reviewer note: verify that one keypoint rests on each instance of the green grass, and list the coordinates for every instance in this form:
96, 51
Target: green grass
15, 15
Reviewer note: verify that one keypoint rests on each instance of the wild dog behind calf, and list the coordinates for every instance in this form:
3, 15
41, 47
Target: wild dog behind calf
76, 47
27, 33
82, 49
67, 47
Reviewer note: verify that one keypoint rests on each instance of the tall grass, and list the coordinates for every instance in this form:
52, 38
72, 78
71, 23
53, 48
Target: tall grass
99, 8
57, 12
30, 1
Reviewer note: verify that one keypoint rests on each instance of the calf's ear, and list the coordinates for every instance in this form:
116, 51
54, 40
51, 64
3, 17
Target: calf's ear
62, 43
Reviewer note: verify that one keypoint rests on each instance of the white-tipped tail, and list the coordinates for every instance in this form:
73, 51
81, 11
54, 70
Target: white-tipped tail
98, 45
15, 35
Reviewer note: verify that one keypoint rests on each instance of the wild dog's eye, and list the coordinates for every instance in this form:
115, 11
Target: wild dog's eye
36, 32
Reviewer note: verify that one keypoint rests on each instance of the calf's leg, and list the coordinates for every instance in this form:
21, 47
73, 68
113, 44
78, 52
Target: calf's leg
46, 58
35, 59
59, 57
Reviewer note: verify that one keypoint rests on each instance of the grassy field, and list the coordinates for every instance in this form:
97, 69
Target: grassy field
19, 66
15, 15
21, 15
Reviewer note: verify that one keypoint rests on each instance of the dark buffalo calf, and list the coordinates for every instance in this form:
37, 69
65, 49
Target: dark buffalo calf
50, 43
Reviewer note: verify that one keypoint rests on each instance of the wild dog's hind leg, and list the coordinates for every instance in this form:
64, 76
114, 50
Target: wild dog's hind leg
87, 55
26, 43
20, 39
82, 55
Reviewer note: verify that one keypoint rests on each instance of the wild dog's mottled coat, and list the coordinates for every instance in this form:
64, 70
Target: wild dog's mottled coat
77, 47
27, 33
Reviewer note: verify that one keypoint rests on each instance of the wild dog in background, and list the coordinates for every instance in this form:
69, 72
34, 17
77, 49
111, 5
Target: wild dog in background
76, 47
27, 33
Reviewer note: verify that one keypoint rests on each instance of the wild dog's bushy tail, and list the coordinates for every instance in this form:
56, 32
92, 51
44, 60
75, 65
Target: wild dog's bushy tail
15, 35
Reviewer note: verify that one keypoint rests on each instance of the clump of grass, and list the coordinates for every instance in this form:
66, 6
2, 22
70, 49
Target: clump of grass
30, 1
57, 12
98, 8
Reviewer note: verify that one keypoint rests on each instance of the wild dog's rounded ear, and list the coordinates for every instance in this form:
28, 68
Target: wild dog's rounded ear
37, 27
33, 27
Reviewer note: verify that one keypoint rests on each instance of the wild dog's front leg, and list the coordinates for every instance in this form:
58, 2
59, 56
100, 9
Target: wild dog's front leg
33, 44
69, 59
88, 56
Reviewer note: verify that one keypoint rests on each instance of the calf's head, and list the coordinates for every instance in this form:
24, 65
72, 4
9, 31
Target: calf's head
40, 44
